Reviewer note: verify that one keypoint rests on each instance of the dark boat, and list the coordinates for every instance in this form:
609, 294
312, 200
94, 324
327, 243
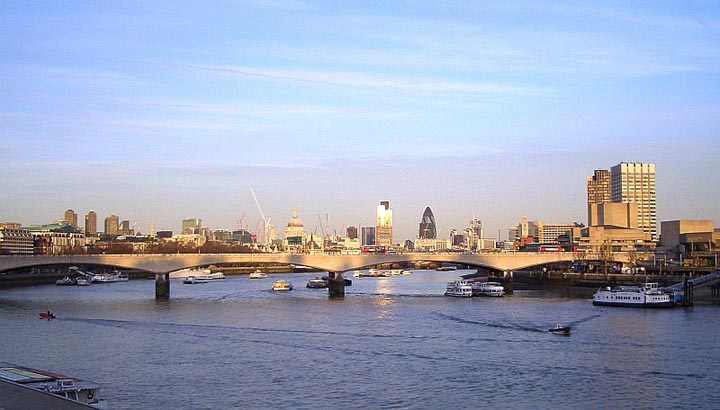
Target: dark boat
560, 329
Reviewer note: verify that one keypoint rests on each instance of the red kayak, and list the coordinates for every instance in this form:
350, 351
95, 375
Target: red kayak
47, 315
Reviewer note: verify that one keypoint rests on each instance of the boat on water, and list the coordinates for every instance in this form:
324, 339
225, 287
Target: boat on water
66, 281
114, 276
192, 280
446, 268
81, 391
82, 281
646, 295
317, 283
282, 286
258, 275
458, 288
492, 289
47, 315
560, 329
207, 274
406, 272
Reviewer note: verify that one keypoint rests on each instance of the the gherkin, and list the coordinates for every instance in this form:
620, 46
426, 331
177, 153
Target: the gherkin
427, 225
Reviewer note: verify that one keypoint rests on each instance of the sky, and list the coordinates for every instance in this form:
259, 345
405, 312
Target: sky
157, 111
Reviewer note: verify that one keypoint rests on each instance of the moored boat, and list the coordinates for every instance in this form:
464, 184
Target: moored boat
458, 288
66, 281
47, 315
493, 289
644, 296
114, 276
81, 391
282, 285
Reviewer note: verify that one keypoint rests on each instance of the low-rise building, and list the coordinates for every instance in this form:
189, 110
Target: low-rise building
15, 241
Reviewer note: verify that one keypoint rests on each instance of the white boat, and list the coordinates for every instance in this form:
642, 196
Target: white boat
406, 272
114, 276
317, 283
81, 391
192, 280
493, 289
258, 275
458, 288
208, 275
282, 285
645, 295
66, 281
82, 281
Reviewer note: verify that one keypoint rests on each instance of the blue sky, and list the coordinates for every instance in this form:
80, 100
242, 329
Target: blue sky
157, 111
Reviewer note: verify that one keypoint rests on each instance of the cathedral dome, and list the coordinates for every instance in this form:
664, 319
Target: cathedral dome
295, 222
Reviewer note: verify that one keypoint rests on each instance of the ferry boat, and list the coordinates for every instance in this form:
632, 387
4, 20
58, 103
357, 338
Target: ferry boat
645, 295
81, 391
459, 288
493, 289
282, 286
258, 275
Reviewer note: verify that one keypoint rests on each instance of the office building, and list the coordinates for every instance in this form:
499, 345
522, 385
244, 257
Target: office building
368, 235
427, 228
635, 183
91, 224
112, 225
15, 241
191, 226
598, 192
384, 225
351, 232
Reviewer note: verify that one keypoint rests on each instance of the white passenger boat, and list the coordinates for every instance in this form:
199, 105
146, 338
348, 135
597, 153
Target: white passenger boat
317, 283
192, 280
645, 295
208, 275
493, 289
459, 288
282, 285
114, 276
81, 391
258, 275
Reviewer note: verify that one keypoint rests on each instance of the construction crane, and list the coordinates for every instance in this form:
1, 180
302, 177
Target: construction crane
322, 229
240, 222
266, 222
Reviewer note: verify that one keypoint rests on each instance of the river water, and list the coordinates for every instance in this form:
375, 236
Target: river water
391, 343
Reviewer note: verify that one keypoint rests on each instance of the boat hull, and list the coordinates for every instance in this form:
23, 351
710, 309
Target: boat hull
668, 304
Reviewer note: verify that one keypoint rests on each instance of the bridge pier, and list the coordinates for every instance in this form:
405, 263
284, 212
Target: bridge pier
162, 285
336, 284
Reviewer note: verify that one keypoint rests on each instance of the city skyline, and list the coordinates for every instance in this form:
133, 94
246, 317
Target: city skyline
493, 111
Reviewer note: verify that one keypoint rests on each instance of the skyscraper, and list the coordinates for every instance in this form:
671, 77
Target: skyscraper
91, 224
368, 235
112, 225
634, 182
383, 228
71, 217
427, 228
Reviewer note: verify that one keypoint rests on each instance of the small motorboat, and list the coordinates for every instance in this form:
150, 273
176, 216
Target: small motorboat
560, 329
47, 315
66, 281
258, 275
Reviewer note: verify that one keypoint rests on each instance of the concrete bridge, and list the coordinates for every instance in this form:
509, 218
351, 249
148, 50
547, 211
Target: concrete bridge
162, 265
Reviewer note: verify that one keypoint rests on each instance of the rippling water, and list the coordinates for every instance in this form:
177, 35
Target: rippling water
390, 343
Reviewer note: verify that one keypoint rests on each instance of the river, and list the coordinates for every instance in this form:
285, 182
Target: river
391, 343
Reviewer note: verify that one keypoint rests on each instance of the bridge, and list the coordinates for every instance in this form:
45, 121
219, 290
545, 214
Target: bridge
335, 264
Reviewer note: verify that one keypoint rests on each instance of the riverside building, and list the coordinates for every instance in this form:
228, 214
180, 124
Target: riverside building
384, 226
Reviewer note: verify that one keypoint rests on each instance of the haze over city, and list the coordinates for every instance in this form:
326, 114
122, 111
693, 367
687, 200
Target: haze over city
156, 111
